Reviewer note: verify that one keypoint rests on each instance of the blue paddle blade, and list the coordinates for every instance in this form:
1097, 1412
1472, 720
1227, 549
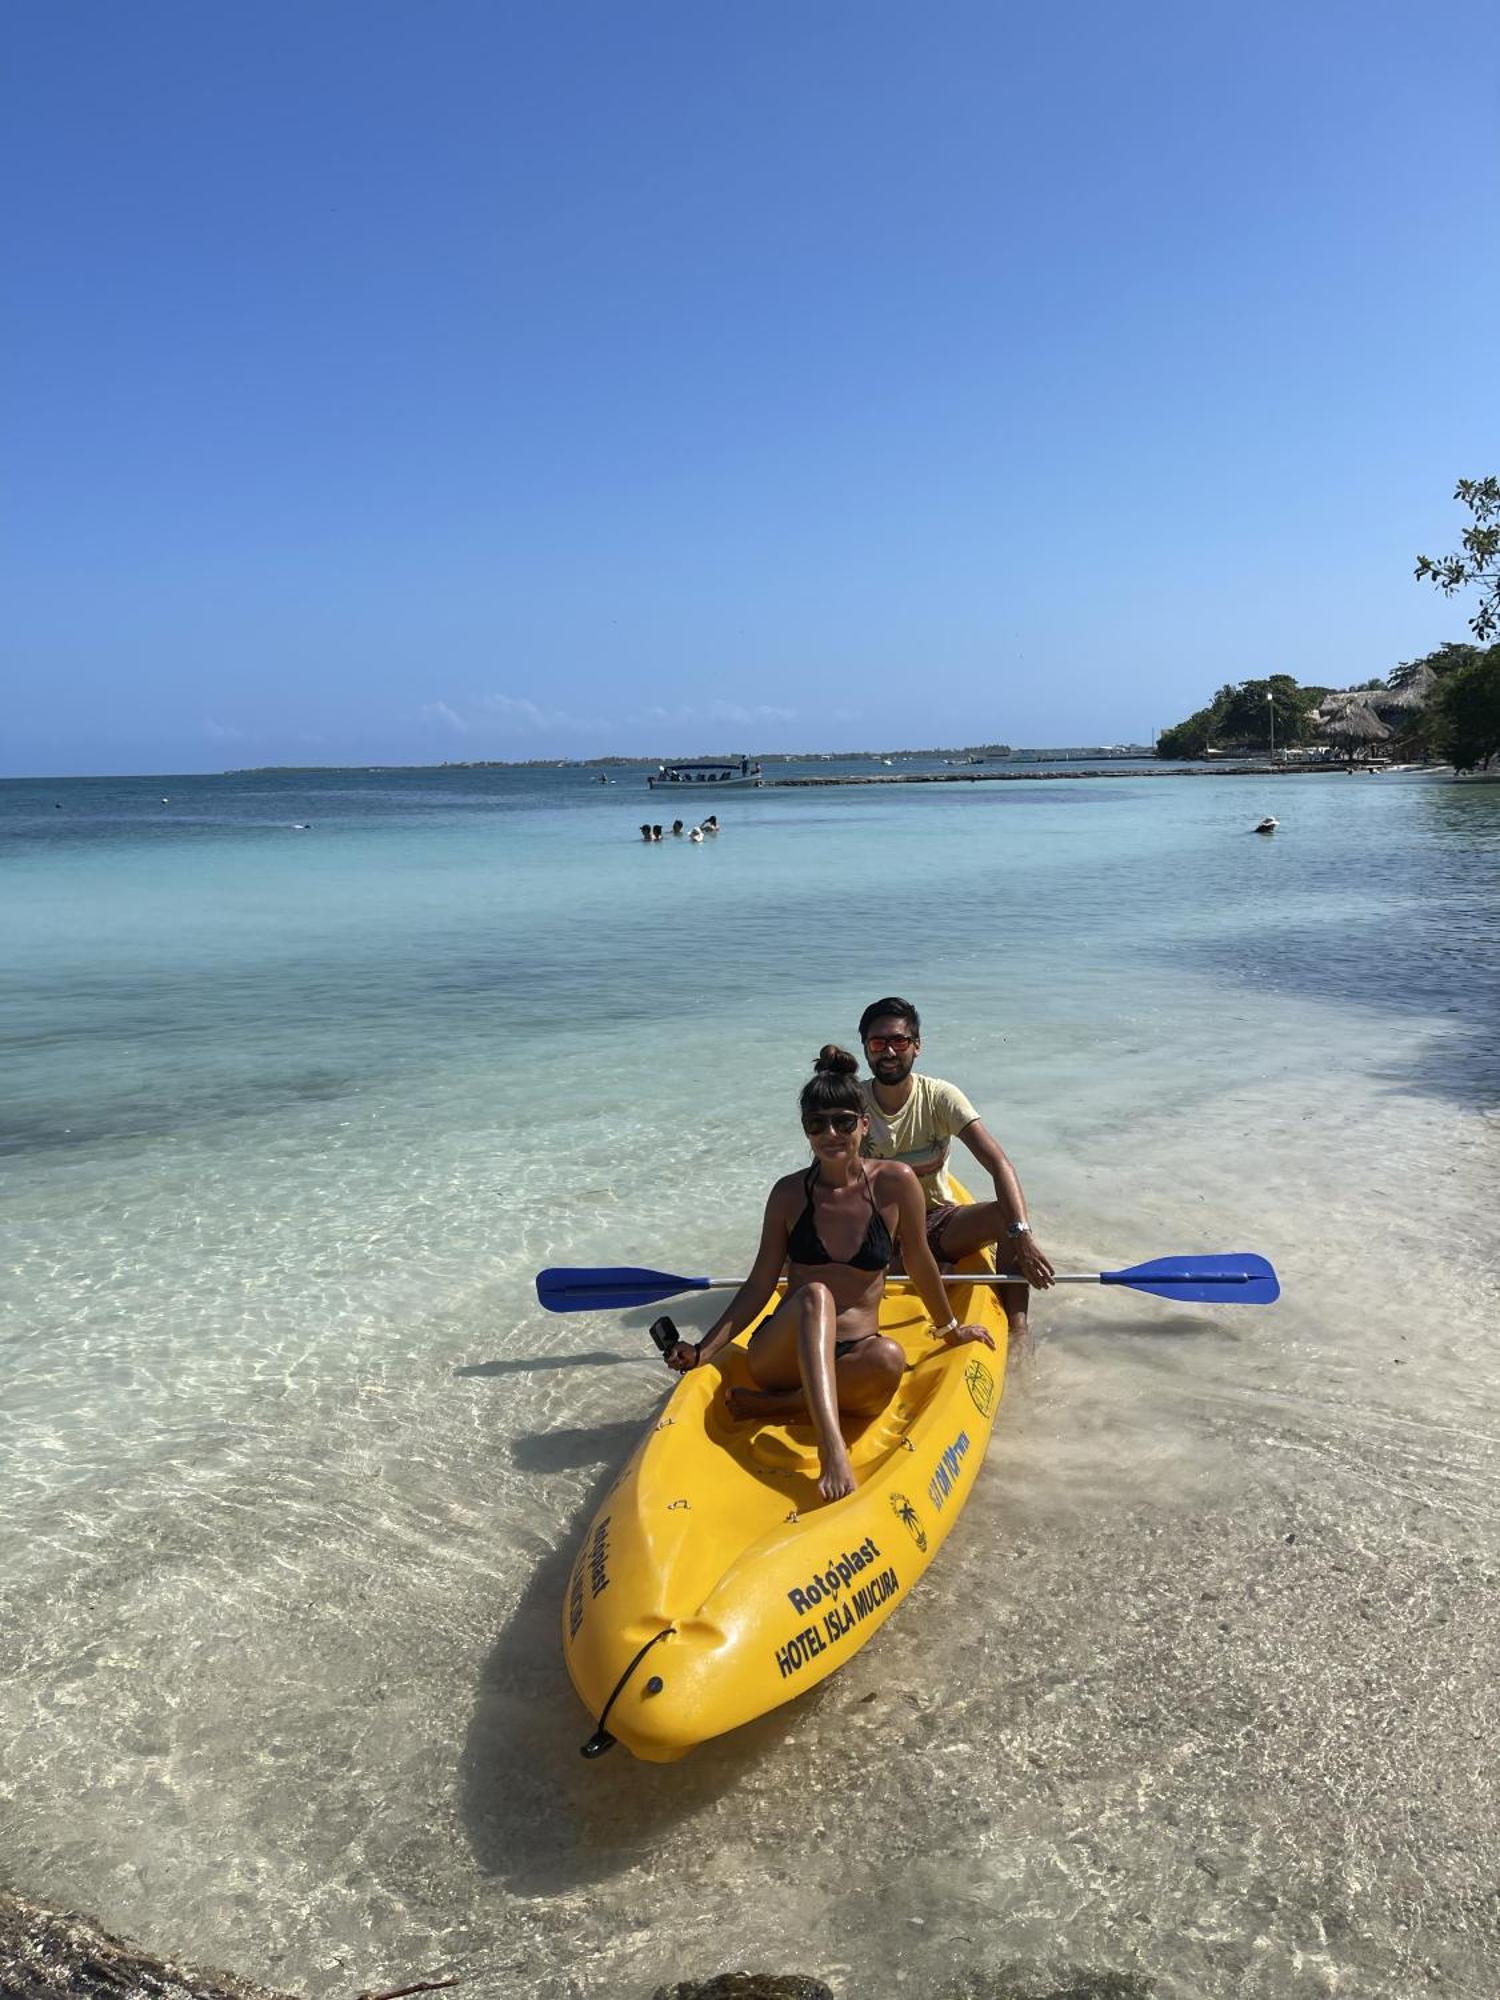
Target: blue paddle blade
1231, 1280
603, 1290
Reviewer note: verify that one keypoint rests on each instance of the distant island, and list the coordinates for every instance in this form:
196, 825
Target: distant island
967, 753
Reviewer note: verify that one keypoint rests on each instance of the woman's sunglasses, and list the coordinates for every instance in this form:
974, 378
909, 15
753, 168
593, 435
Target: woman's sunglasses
845, 1123
897, 1044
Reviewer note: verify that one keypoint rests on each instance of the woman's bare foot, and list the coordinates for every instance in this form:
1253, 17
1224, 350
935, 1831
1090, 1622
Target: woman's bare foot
838, 1474
745, 1403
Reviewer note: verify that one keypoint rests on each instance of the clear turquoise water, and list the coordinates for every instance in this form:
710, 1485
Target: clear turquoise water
294, 1463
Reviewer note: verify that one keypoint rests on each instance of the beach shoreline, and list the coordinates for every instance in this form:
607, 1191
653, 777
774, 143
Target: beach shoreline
1111, 776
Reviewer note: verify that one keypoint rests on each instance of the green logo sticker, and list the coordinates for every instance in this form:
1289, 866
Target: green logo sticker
980, 1384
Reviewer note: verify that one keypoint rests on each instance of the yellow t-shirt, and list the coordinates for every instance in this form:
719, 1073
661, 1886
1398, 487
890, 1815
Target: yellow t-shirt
919, 1132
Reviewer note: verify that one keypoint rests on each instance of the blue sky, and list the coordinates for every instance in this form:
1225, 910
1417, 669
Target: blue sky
408, 382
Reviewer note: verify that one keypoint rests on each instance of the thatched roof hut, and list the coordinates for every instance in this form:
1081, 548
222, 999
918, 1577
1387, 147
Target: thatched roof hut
1356, 724
1379, 701
1416, 693
1338, 699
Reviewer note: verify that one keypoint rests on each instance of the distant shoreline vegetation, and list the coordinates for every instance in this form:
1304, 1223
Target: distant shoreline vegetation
1444, 707
968, 753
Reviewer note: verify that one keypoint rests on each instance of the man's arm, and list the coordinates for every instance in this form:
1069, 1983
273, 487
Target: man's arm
1022, 1252
921, 1267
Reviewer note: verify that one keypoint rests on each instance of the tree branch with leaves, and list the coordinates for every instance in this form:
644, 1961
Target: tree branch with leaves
1478, 562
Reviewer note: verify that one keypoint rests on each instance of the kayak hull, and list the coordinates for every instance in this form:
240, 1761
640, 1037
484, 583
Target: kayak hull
713, 1583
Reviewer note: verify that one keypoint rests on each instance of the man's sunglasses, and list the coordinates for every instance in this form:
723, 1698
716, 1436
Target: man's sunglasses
897, 1044
845, 1123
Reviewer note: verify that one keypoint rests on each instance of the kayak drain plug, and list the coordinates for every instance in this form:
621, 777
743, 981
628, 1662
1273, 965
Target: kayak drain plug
601, 1740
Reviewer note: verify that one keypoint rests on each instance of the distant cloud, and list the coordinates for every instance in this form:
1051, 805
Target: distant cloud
439, 711
718, 711
529, 714
520, 713
220, 732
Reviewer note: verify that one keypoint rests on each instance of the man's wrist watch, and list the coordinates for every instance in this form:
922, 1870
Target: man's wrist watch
1016, 1229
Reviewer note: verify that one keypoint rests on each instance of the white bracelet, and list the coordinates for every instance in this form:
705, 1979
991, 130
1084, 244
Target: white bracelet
951, 1327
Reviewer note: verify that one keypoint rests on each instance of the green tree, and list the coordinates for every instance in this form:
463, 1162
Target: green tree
1478, 561
1466, 712
1187, 739
1239, 718
1246, 716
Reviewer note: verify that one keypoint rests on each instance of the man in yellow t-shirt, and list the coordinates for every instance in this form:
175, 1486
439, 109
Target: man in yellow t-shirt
913, 1118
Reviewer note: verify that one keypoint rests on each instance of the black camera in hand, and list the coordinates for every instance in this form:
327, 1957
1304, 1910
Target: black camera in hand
664, 1333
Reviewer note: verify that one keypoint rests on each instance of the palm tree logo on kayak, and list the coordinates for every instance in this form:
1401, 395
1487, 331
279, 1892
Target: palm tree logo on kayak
907, 1515
980, 1384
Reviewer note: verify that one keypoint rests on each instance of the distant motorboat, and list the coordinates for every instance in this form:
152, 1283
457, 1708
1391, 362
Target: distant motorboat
727, 773
1267, 825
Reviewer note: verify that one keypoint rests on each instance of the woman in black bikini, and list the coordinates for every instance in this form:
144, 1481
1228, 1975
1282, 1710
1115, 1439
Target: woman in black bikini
833, 1228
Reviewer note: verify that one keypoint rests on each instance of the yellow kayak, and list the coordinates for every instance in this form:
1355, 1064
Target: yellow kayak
713, 1584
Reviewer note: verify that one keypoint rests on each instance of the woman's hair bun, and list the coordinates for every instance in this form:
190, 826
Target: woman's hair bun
834, 1061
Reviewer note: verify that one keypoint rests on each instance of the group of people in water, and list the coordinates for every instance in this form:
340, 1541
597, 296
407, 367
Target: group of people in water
708, 827
876, 1196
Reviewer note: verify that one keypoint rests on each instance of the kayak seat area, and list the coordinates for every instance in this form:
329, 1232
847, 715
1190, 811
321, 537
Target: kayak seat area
792, 1447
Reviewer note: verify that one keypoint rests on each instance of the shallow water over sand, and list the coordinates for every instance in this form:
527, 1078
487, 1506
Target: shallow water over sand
1202, 1688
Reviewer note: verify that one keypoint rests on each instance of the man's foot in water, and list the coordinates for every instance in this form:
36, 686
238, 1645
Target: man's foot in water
838, 1474
1018, 1341
771, 1403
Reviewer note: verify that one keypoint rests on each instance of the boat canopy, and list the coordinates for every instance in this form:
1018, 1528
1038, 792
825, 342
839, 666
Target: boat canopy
705, 770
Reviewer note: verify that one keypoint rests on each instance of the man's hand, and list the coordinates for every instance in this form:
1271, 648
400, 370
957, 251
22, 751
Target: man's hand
1028, 1258
682, 1357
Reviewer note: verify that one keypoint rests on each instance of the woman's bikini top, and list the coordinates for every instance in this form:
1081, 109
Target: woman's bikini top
805, 1246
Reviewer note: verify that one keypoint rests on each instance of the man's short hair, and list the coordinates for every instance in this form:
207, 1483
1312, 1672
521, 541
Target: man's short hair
900, 1009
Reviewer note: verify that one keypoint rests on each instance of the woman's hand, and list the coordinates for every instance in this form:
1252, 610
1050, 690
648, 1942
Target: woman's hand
960, 1336
683, 1356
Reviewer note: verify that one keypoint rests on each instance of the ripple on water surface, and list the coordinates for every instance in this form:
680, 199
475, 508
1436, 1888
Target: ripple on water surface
1200, 1691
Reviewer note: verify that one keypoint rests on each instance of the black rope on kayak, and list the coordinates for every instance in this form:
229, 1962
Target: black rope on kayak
601, 1740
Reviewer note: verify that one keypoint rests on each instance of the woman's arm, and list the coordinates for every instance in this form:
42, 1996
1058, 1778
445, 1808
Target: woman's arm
751, 1298
921, 1265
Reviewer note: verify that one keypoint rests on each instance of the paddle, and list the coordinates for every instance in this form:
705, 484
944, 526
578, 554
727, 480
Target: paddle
1240, 1279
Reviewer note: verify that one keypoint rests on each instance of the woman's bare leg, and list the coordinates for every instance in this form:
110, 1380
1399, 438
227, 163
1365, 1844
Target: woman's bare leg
816, 1328
865, 1379
774, 1367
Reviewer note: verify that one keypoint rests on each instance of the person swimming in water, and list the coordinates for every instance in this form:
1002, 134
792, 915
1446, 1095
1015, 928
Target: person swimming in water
833, 1228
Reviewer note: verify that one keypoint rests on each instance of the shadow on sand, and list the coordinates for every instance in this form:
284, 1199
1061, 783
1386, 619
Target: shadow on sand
1172, 1324
536, 1813
531, 1364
